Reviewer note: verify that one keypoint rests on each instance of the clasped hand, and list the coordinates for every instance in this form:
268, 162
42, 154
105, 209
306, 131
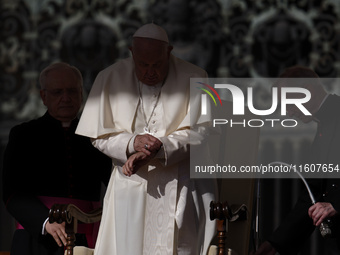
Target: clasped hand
146, 147
134, 162
317, 212
147, 144
320, 211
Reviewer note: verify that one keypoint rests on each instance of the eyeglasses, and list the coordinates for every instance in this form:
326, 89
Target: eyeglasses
60, 92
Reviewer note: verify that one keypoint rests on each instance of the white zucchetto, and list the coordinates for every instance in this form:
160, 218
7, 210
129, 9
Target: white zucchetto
152, 31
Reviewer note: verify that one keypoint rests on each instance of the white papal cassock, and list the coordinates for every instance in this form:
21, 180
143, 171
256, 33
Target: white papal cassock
158, 210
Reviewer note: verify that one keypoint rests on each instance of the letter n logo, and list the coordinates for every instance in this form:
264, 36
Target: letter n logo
204, 96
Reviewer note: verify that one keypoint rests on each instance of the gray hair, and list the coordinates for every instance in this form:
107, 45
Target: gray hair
59, 66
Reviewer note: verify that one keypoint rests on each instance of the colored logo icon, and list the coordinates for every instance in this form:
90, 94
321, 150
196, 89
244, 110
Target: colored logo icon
209, 93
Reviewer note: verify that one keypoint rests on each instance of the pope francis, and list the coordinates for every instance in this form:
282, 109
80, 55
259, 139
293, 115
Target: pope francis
140, 113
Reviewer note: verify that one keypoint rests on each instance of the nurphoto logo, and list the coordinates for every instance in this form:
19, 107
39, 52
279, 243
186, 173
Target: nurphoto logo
239, 103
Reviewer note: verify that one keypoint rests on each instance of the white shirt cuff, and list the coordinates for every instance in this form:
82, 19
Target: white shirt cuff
131, 147
44, 232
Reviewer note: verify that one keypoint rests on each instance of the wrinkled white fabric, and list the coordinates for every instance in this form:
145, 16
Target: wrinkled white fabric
158, 210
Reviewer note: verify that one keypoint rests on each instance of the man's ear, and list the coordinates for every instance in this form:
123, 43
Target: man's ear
43, 96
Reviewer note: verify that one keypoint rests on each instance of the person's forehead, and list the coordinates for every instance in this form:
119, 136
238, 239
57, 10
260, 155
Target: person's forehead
152, 51
61, 72
149, 58
62, 77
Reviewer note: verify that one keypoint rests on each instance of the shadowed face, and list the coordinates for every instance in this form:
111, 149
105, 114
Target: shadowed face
151, 58
62, 94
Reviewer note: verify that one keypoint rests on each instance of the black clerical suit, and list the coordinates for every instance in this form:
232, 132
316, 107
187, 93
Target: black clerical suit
298, 226
44, 159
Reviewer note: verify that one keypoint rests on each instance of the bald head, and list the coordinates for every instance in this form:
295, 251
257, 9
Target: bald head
61, 91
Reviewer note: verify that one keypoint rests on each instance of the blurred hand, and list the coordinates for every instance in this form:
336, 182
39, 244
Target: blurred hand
57, 231
135, 161
265, 249
147, 144
320, 211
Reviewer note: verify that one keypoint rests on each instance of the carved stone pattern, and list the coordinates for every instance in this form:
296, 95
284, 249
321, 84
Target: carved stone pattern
242, 38
87, 34
265, 37
194, 28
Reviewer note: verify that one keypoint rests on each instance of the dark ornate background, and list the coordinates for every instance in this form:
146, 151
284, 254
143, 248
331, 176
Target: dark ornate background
241, 38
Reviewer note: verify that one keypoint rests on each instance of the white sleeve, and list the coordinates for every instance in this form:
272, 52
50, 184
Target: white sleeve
176, 146
131, 147
43, 231
115, 145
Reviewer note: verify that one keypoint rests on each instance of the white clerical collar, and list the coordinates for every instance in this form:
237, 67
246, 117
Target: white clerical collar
66, 124
157, 86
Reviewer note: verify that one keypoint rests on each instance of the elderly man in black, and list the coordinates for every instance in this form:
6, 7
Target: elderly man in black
45, 162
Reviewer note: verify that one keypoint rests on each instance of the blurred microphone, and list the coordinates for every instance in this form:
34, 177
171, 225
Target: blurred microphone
325, 226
